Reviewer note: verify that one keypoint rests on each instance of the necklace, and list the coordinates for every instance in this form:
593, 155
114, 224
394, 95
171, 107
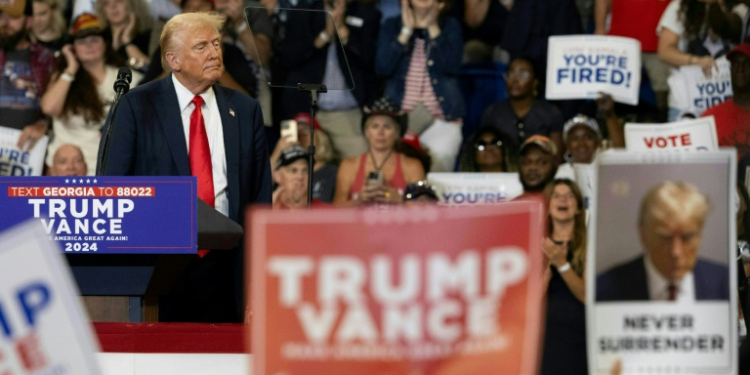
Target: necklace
375, 164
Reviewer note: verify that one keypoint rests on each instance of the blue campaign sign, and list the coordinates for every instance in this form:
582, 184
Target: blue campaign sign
106, 215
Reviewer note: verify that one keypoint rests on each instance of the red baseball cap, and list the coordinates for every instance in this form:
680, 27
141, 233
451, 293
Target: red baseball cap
743, 48
412, 139
305, 118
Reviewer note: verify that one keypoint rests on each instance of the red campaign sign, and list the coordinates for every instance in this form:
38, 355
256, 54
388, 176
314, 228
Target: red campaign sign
424, 290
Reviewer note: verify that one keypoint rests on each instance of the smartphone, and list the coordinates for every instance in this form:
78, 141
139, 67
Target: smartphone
375, 178
289, 130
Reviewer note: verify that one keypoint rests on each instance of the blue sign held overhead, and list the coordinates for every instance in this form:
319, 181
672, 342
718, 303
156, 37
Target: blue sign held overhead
110, 215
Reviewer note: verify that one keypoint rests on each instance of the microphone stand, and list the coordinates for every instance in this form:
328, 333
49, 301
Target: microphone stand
121, 88
314, 90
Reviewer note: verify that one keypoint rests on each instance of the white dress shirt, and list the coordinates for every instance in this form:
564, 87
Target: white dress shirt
215, 133
658, 284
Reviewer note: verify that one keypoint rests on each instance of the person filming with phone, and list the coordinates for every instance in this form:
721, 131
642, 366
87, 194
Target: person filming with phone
380, 175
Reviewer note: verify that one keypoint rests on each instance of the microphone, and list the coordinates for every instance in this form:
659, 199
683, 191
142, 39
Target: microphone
122, 84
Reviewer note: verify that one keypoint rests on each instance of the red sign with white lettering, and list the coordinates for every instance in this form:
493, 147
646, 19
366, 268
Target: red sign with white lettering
407, 291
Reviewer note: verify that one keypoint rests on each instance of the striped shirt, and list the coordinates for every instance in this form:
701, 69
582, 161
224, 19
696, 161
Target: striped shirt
418, 85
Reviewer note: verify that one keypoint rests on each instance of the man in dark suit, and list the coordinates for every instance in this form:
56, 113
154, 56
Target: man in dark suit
185, 125
671, 225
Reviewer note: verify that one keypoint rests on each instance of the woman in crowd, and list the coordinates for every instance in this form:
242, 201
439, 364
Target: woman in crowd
484, 152
695, 32
127, 29
324, 169
80, 92
523, 114
48, 24
420, 55
565, 249
582, 139
381, 174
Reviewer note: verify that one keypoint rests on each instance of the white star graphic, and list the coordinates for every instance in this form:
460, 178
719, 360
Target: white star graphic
74, 180
67, 181
80, 181
88, 181
94, 180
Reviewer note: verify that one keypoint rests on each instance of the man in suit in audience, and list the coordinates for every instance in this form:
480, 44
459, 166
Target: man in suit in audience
671, 226
185, 124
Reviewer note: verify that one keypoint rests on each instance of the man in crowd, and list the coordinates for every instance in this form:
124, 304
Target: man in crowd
68, 161
26, 69
733, 116
670, 223
537, 165
291, 174
185, 124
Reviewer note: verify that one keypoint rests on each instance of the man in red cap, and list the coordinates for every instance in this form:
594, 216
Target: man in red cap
733, 116
26, 69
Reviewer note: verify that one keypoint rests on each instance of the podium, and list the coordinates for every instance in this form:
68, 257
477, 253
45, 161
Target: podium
125, 237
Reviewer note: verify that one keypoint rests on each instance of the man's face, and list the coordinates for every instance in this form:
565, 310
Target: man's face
740, 73
68, 161
673, 245
535, 169
11, 30
293, 179
198, 61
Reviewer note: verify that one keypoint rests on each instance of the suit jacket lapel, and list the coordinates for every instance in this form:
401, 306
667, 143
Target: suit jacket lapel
230, 126
170, 118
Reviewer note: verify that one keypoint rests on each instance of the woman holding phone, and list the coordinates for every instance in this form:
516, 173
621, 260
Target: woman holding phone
381, 174
80, 92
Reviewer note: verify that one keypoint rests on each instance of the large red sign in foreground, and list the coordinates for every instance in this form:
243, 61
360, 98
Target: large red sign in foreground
419, 291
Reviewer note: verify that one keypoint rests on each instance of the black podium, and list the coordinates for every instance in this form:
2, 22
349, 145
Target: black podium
143, 278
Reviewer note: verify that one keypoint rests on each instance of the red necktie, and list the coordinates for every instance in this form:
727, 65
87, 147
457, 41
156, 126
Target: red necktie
672, 292
200, 157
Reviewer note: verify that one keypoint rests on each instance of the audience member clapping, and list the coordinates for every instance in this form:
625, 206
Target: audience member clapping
48, 24
312, 52
324, 170
537, 166
68, 161
565, 250
128, 29
80, 93
484, 152
694, 32
381, 174
420, 55
524, 114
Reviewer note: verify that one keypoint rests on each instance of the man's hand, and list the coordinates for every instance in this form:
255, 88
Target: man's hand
31, 134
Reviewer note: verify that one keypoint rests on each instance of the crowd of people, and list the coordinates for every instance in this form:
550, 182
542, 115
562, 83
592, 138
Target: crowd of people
395, 110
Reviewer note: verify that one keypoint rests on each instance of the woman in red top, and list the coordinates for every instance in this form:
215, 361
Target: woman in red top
381, 174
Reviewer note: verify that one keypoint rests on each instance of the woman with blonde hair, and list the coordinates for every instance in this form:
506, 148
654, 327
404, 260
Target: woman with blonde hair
565, 249
127, 28
48, 24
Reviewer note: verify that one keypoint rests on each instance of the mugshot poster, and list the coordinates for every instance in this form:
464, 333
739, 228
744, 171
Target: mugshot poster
17, 162
475, 188
686, 135
425, 290
660, 296
43, 326
584, 66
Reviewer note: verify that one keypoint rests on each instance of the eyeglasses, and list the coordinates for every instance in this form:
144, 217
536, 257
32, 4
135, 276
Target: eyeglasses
484, 145
524, 74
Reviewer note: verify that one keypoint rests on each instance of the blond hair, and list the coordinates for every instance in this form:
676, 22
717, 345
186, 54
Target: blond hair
171, 36
139, 7
56, 22
670, 200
